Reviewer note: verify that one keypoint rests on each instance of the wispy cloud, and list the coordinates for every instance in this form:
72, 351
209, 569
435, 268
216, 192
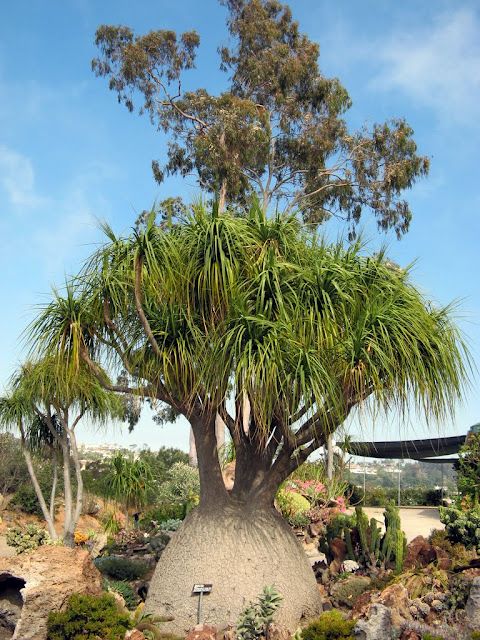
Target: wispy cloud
437, 65
17, 179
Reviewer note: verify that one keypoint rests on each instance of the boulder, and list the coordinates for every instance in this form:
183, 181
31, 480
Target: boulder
338, 549
395, 597
378, 625
419, 553
202, 632
50, 574
472, 608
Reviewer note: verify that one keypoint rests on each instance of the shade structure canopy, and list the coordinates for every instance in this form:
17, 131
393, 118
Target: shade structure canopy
423, 450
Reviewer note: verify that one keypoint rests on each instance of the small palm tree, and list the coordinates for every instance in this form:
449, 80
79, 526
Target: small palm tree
130, 480
45, 403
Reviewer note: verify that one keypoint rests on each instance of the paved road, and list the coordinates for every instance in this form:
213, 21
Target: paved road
416, 521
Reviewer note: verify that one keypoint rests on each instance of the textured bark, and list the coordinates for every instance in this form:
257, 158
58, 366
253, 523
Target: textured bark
239, 548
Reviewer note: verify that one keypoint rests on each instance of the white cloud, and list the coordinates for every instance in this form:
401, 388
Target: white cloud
437, 65
17, 179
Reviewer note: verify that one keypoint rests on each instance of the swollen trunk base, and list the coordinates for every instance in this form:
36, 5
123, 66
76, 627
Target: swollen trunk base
239, 550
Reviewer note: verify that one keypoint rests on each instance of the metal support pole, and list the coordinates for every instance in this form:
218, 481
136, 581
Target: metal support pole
399, 483
199, 614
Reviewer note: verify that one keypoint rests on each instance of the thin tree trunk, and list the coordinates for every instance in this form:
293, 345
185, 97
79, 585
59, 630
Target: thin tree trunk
78, 474
54, 485
67, 492
38, 491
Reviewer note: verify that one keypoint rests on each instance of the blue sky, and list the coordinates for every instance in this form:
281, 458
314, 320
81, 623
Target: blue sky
69, 154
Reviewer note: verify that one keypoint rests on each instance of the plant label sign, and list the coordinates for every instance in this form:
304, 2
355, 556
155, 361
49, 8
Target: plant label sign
202, 588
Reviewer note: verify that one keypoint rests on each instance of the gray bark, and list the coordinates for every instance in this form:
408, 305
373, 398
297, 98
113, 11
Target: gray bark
38, 491
239, 548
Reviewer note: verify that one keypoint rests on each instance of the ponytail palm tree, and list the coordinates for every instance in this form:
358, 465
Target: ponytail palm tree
255, 320
45, 404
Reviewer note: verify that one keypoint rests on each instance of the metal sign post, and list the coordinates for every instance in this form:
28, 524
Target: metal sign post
200, 589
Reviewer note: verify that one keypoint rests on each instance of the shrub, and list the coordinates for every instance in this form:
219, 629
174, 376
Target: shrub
182, 484
26, 498
329, 626
27, 538
88, 618
121, 568
125, 590
254, 620
162, 512
293, 506
462, 526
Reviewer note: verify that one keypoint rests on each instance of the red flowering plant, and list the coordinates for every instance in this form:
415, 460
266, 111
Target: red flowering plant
325, 497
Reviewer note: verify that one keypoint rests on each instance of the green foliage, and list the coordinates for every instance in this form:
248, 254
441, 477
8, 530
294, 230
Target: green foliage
13, 470
429, 636
293, 506
364, 540
88, 618
462, 526
121, 568
27, 538
111, 523
162, 512
129, 479
277, 133
182, 485
346, 591
254, 620
331, 625
468, 468
258, 305
148, 623
125, 590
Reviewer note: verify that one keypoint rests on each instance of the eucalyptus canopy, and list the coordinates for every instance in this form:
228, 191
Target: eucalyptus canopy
278, 130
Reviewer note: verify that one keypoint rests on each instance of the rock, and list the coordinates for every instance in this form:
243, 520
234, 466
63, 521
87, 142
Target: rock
350, 566
395, 597
442, 558
50, 574
419, 553
99, 544
472, 608
228, 633
202, 632
277, 632
437, 605
378, 626
316, 529
338, 549
134, 634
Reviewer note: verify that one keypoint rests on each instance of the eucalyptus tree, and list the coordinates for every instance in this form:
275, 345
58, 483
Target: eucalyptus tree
278, 130
256, 320
46, 404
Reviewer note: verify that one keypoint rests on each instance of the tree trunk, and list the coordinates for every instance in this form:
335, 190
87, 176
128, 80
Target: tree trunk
67, 492
54, 485
78, 474
239, 547
38, 491
192, 451
240, 544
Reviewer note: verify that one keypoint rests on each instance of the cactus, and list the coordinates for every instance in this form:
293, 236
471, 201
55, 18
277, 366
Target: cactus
364, 539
